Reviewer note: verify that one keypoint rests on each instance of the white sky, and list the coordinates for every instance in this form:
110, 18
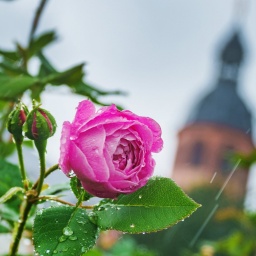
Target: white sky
162, 52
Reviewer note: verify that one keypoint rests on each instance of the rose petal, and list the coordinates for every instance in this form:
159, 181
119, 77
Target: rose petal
85, 111
79, 162
91, 143
64, 148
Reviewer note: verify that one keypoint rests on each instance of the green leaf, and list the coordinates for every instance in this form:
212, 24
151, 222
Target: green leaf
63, 231
4, 229
156, 206
78, 190
10, 193
68, 77
6, 148
14, 56
95, 252
12, 87
8, 213
12, 68
40, 42
10, 177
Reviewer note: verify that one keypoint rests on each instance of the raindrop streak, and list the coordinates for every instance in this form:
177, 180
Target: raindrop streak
193, 241
213, 177
227, 180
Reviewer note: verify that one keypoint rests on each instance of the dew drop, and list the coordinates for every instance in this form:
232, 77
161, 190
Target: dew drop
140, 196
67, 231
47, 251
65, 249
72, 238
132, 226
55, 251
83, 249
39, 212
62, 238
71, 174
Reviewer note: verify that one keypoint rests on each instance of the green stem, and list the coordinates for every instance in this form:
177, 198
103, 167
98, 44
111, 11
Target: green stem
36, 19
41, 147
22, 168
19, 230
47, 173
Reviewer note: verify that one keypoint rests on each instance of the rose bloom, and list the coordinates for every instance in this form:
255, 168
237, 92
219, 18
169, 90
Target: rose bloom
109, 150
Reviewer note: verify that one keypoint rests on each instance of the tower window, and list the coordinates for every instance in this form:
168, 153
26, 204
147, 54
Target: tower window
225, 159
197, 153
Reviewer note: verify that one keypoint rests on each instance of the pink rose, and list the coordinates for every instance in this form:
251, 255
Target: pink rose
109, 150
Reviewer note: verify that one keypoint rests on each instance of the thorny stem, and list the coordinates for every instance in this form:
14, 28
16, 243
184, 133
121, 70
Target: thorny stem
25, 209
28, 203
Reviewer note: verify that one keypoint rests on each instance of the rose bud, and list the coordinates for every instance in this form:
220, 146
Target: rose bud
110, 151
40, 124
16, 119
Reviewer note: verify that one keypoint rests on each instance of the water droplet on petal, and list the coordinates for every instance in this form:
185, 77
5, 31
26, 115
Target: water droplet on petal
71, 174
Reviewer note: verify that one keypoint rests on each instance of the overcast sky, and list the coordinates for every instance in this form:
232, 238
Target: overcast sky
162, 52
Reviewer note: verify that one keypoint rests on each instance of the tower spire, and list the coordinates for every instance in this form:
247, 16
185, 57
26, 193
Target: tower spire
231, 57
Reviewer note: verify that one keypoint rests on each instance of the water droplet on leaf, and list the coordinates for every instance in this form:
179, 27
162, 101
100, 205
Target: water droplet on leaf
62, 238
67, 231
72, 238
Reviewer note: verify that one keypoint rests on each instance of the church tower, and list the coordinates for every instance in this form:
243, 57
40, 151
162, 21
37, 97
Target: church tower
218, 127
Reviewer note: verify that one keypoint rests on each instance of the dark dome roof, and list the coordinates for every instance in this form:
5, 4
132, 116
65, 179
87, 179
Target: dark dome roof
233, 51
223, 106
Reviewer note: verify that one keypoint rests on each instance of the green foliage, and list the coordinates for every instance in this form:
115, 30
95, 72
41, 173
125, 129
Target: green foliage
78, 190
10, 177
12, 87
15, 78
63, 231
73, 229
151, 208
128, 247
180, 239
10, 193
38, 43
